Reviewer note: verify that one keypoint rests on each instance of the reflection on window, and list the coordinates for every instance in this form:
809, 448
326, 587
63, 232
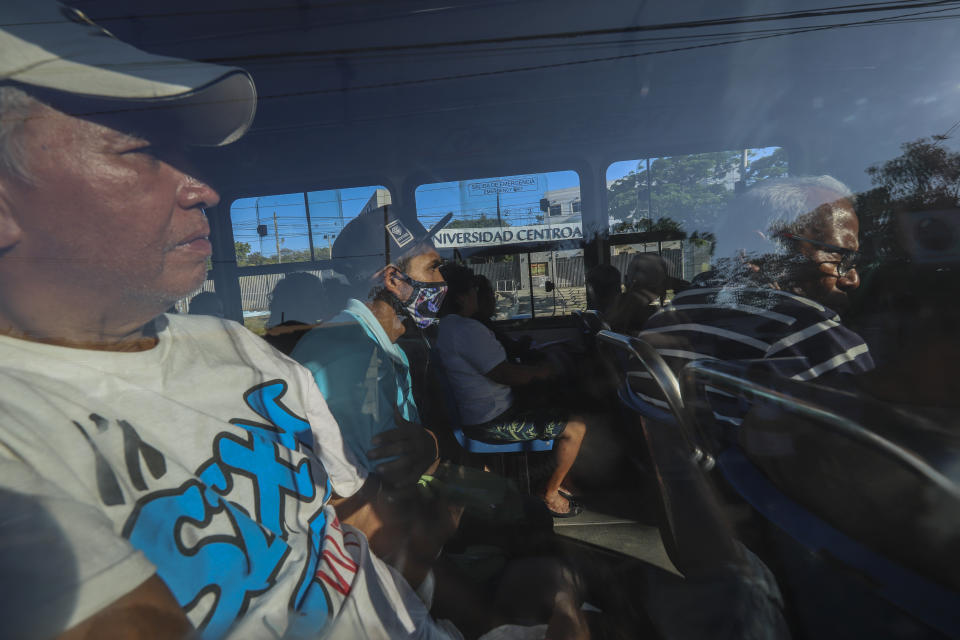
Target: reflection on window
520, 283
307, 297
297, 227
679, 201
489, 212
493, 215
204, 301
294, 228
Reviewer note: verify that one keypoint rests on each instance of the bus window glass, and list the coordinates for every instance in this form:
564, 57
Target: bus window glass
522, 232
675, 203
297, 227
294, 228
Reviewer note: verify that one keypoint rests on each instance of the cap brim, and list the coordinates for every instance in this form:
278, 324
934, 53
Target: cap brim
444, 221
40, 46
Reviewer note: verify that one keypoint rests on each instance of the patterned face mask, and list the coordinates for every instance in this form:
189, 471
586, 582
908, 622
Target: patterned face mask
423, 304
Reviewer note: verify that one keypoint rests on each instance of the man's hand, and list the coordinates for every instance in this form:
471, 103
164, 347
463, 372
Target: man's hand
414, 447
149, 611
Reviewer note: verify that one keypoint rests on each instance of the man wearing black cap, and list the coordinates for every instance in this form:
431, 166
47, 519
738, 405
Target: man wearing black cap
157, 472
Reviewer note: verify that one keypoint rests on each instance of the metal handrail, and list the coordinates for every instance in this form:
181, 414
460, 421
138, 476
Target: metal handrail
665, 379
722, 376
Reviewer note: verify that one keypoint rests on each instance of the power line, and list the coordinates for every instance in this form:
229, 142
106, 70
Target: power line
837, 10
538, 67
298, 8
571, 63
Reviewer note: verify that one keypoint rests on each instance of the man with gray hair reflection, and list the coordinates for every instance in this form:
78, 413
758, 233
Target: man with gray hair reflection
785, 264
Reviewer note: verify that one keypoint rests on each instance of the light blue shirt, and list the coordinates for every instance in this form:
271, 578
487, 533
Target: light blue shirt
362, 374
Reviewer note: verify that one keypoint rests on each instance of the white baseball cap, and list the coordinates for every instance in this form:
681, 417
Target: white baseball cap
49, 46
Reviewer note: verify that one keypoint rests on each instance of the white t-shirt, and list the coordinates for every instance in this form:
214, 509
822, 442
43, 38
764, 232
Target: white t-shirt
469, 350
208, 460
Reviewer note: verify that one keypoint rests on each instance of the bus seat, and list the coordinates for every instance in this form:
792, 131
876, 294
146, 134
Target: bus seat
441, 384
634, 356
862, 488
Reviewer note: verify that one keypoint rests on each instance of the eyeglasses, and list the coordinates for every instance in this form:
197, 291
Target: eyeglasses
848, 257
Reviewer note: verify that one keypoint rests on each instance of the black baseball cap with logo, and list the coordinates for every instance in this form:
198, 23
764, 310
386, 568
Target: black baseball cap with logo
378, 237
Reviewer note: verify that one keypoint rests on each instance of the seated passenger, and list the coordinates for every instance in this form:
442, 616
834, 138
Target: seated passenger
297, 297
786, 264
518, 350
354, 357
603, 288
645, 287
206, 303
483, 382
157, 472
297, 302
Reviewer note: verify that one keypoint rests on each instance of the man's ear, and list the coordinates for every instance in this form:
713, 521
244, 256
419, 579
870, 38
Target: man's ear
10, 230
393, 283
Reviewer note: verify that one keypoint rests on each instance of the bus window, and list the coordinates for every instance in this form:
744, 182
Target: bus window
522, 232
671, 205
275, 231
202, 302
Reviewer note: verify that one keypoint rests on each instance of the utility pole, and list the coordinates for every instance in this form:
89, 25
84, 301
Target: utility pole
649, 198
276, 236
741, 184
306, 208
259, 237
340, 208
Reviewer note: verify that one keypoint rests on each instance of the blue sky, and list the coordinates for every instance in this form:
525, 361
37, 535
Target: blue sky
436, 200
325, 217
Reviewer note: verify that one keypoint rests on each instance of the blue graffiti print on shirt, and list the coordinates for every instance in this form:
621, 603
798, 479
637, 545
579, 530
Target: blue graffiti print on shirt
239, 556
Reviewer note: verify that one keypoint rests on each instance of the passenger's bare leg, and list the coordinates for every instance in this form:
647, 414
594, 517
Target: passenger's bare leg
565, 449
541, 590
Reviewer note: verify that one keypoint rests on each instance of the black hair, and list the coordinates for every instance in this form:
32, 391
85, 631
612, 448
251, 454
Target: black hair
460, 280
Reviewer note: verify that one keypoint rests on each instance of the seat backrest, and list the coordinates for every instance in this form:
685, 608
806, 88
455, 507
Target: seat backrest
693, 528
636, 357
874, 486
591, 323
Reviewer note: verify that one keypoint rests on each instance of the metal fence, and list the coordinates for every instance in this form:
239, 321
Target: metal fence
254, 291
498, 271
673, 258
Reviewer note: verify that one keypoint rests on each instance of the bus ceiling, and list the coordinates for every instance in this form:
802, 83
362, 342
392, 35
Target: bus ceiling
347, 89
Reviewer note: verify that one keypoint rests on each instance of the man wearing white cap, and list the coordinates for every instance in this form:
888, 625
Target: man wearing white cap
157, 472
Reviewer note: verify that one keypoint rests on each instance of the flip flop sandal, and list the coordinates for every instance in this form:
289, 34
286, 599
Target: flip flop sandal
566, 494
574, 510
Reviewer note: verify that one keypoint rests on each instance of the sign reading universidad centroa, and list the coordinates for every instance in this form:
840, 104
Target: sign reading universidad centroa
486, 236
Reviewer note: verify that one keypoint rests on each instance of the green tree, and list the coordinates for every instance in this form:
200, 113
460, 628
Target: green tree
469, 223
689, 190
662, 225
771, 166
256, 259
242, 251
923, 176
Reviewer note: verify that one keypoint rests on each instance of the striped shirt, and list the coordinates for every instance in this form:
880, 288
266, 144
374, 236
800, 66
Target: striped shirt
802, 338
